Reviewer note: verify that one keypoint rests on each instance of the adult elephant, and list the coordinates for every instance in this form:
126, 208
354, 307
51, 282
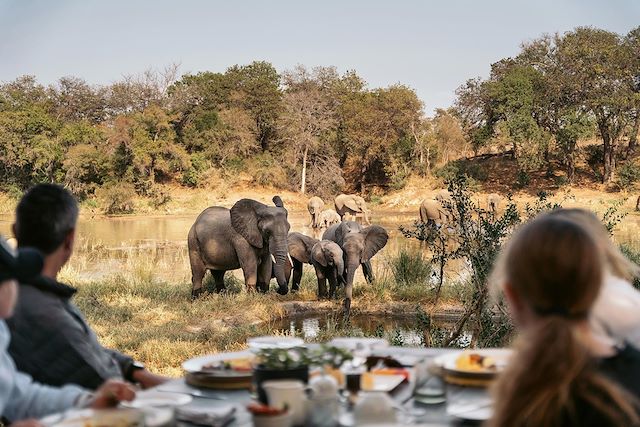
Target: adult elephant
328, 260
443, 196
493, 202
315, 206
351, 204
300, 253
432, 212
328, 217
249, 236
359, 246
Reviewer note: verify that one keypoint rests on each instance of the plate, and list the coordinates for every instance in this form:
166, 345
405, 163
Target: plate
259, 343
195, 366
88, 417
359, 343
152, 398
383, 382
447, 363
475, 411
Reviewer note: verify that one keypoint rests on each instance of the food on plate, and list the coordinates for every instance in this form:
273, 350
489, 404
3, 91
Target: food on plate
264, 410
468, 361
238, 365
391, 371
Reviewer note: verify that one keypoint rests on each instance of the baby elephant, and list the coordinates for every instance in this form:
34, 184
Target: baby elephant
328, 217
493, 202
300, 252
327, 259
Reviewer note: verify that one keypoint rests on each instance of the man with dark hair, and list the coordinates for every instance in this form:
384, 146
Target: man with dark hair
50, 338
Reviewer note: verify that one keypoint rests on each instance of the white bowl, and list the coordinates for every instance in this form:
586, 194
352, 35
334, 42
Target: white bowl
282, 420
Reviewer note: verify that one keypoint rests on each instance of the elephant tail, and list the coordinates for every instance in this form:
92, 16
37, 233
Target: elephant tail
193, 243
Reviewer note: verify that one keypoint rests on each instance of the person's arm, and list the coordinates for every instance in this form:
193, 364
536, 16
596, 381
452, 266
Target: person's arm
135, 372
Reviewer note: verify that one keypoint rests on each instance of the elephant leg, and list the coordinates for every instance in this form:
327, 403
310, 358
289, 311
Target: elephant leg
264, 274
366, 217
333, 282
322, 283
218, 280
297, 275
197, 274
249, 265
367, 270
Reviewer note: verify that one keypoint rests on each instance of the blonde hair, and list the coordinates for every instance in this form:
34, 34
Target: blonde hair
555, 266
618, 264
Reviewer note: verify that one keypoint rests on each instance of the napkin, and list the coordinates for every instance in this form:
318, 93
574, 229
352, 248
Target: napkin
211, 416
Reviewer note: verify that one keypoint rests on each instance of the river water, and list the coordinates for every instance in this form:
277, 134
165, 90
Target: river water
108, 245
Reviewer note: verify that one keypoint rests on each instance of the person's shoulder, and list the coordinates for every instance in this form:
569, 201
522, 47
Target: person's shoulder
624, 368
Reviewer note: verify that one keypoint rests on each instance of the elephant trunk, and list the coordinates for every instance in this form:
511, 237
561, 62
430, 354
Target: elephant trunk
279, 250
339, 263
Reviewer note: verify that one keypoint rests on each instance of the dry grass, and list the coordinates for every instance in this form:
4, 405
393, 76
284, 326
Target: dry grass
155, 321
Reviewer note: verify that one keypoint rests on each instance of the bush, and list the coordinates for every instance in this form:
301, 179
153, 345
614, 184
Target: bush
633, 255
267, 171
462, 169
595, 159
523, 178
410, 267
117, 198
159, 196
628, 174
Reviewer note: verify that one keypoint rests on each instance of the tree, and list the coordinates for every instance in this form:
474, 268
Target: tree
256, 88
307, 120
74, 100
602, 81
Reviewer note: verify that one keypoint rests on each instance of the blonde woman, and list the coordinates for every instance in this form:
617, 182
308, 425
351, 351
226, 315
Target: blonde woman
616, 312
562, 373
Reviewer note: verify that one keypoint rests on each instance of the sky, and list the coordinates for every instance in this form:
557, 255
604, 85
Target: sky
430, 46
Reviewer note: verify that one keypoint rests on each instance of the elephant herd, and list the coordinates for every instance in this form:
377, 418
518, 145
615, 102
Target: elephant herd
255, 237
435, 210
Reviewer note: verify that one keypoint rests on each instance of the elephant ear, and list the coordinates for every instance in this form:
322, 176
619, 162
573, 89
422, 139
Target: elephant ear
244, 220
375, 238
278, 201
318, 255
351, 203
300, 246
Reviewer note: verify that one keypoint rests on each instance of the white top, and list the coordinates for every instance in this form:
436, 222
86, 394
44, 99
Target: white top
616, 312
22, 398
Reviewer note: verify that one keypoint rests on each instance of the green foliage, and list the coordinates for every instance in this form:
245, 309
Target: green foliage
117, 198
461, 169
409, 267
523, 179
628, 174
633, 254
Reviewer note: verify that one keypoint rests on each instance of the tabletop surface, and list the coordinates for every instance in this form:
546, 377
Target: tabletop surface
427, 415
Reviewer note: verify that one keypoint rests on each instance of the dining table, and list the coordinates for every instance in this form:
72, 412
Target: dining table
403, 395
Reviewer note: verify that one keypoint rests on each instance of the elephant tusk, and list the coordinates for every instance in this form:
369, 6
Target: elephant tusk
290, 260
273, 259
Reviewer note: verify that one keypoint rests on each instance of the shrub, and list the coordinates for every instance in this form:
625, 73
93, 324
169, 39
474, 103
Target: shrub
410, 267
523, 178
117, 198
267, 171
628, 174
633, 254
159, 196
462, 169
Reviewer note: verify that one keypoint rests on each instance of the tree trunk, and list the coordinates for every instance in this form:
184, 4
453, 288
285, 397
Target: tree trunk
303, 185
609, 156
633, 139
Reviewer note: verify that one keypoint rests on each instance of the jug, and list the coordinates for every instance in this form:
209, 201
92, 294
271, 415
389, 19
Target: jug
290, 393
323, 404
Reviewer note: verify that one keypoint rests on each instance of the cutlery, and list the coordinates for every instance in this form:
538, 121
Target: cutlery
196, 393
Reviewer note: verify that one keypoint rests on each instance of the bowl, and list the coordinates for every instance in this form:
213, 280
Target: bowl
282, 420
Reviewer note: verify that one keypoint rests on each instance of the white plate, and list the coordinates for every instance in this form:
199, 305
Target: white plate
259, 343
152, 398
385, 382
71, 418
499, 355
359, 343
474, 411
195, 365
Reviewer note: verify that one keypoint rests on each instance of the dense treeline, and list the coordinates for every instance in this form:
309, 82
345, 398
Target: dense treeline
315, 130
557, 90
312, 130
